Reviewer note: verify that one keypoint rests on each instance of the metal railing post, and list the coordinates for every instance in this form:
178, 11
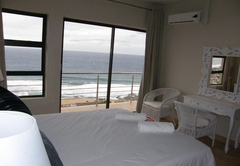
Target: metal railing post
97, 90
132, 88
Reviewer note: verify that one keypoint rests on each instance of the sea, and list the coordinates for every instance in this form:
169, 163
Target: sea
126, 71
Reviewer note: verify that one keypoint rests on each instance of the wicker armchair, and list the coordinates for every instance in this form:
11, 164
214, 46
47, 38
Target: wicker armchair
158, 103
196, 122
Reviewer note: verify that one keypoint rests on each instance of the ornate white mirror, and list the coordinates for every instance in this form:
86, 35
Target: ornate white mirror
221, 75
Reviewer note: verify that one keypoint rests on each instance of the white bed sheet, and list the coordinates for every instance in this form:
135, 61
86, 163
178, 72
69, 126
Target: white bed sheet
97, 138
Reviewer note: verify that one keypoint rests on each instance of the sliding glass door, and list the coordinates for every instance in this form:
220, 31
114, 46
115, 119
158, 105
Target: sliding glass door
128, 61
98, 61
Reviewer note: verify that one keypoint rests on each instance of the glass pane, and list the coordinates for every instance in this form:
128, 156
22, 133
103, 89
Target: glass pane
85, 37
216, 79
86, 60
23, 58
128, 61
129, 42
217, 64
22, 27
25, 85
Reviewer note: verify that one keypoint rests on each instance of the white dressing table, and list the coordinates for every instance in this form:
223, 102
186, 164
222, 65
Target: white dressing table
224, 102
216, 106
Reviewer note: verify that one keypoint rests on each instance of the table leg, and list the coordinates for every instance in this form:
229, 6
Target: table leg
237, 138
229, 133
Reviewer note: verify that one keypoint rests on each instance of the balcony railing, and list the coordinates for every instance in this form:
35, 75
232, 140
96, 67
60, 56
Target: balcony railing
93, 86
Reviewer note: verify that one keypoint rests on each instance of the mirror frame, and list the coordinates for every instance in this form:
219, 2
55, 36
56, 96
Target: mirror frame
204, 89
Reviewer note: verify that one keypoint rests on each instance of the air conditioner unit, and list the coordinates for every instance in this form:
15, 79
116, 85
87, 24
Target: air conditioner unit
185, 18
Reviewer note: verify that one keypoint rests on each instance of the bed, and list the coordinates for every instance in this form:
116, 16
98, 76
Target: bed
97, 138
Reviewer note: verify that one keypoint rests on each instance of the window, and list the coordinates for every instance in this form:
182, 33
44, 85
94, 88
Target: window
217, 70
24, 35
101, 63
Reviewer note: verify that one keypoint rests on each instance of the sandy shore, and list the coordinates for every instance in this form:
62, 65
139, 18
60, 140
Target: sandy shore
80, 102
76, 100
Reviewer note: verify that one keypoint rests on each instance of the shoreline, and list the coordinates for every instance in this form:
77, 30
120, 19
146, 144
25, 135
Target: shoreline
73, 102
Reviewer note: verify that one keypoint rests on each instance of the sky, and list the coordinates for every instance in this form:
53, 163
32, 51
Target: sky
77, 36
22, 27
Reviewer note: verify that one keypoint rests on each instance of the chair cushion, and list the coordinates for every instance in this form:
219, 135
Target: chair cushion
154, 104
201, 123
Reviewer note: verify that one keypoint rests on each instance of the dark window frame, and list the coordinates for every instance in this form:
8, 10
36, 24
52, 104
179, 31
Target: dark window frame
38, 44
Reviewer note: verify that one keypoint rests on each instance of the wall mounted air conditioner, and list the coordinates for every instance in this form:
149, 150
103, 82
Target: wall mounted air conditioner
185, 18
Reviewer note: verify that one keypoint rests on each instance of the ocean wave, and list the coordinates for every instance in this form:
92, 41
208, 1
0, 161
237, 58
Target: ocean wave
84, 91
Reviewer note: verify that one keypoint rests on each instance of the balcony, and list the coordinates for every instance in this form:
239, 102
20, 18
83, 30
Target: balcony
91, 95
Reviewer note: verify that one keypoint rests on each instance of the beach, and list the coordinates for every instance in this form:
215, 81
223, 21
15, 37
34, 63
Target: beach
69, 105
73, 102
76, 102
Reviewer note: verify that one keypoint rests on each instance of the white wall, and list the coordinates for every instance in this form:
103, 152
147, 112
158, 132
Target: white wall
183, 44
92, 10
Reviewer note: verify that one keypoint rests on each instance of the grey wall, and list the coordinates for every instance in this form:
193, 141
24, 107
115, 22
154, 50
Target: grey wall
182, 44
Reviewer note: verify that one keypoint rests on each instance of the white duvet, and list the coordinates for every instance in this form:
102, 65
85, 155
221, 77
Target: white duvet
97, 138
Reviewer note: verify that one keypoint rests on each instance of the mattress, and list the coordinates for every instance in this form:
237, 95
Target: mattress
97, 138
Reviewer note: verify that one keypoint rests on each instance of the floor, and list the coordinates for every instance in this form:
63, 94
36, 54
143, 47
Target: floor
232, 158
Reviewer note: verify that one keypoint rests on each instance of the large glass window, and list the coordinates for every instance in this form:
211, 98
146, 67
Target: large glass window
101, 63
24, 35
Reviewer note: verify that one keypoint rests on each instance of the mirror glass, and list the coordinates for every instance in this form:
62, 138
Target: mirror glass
224, 73
221, 76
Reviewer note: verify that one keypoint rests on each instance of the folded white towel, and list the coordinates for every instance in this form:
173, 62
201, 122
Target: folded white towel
131, 116
156, 127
